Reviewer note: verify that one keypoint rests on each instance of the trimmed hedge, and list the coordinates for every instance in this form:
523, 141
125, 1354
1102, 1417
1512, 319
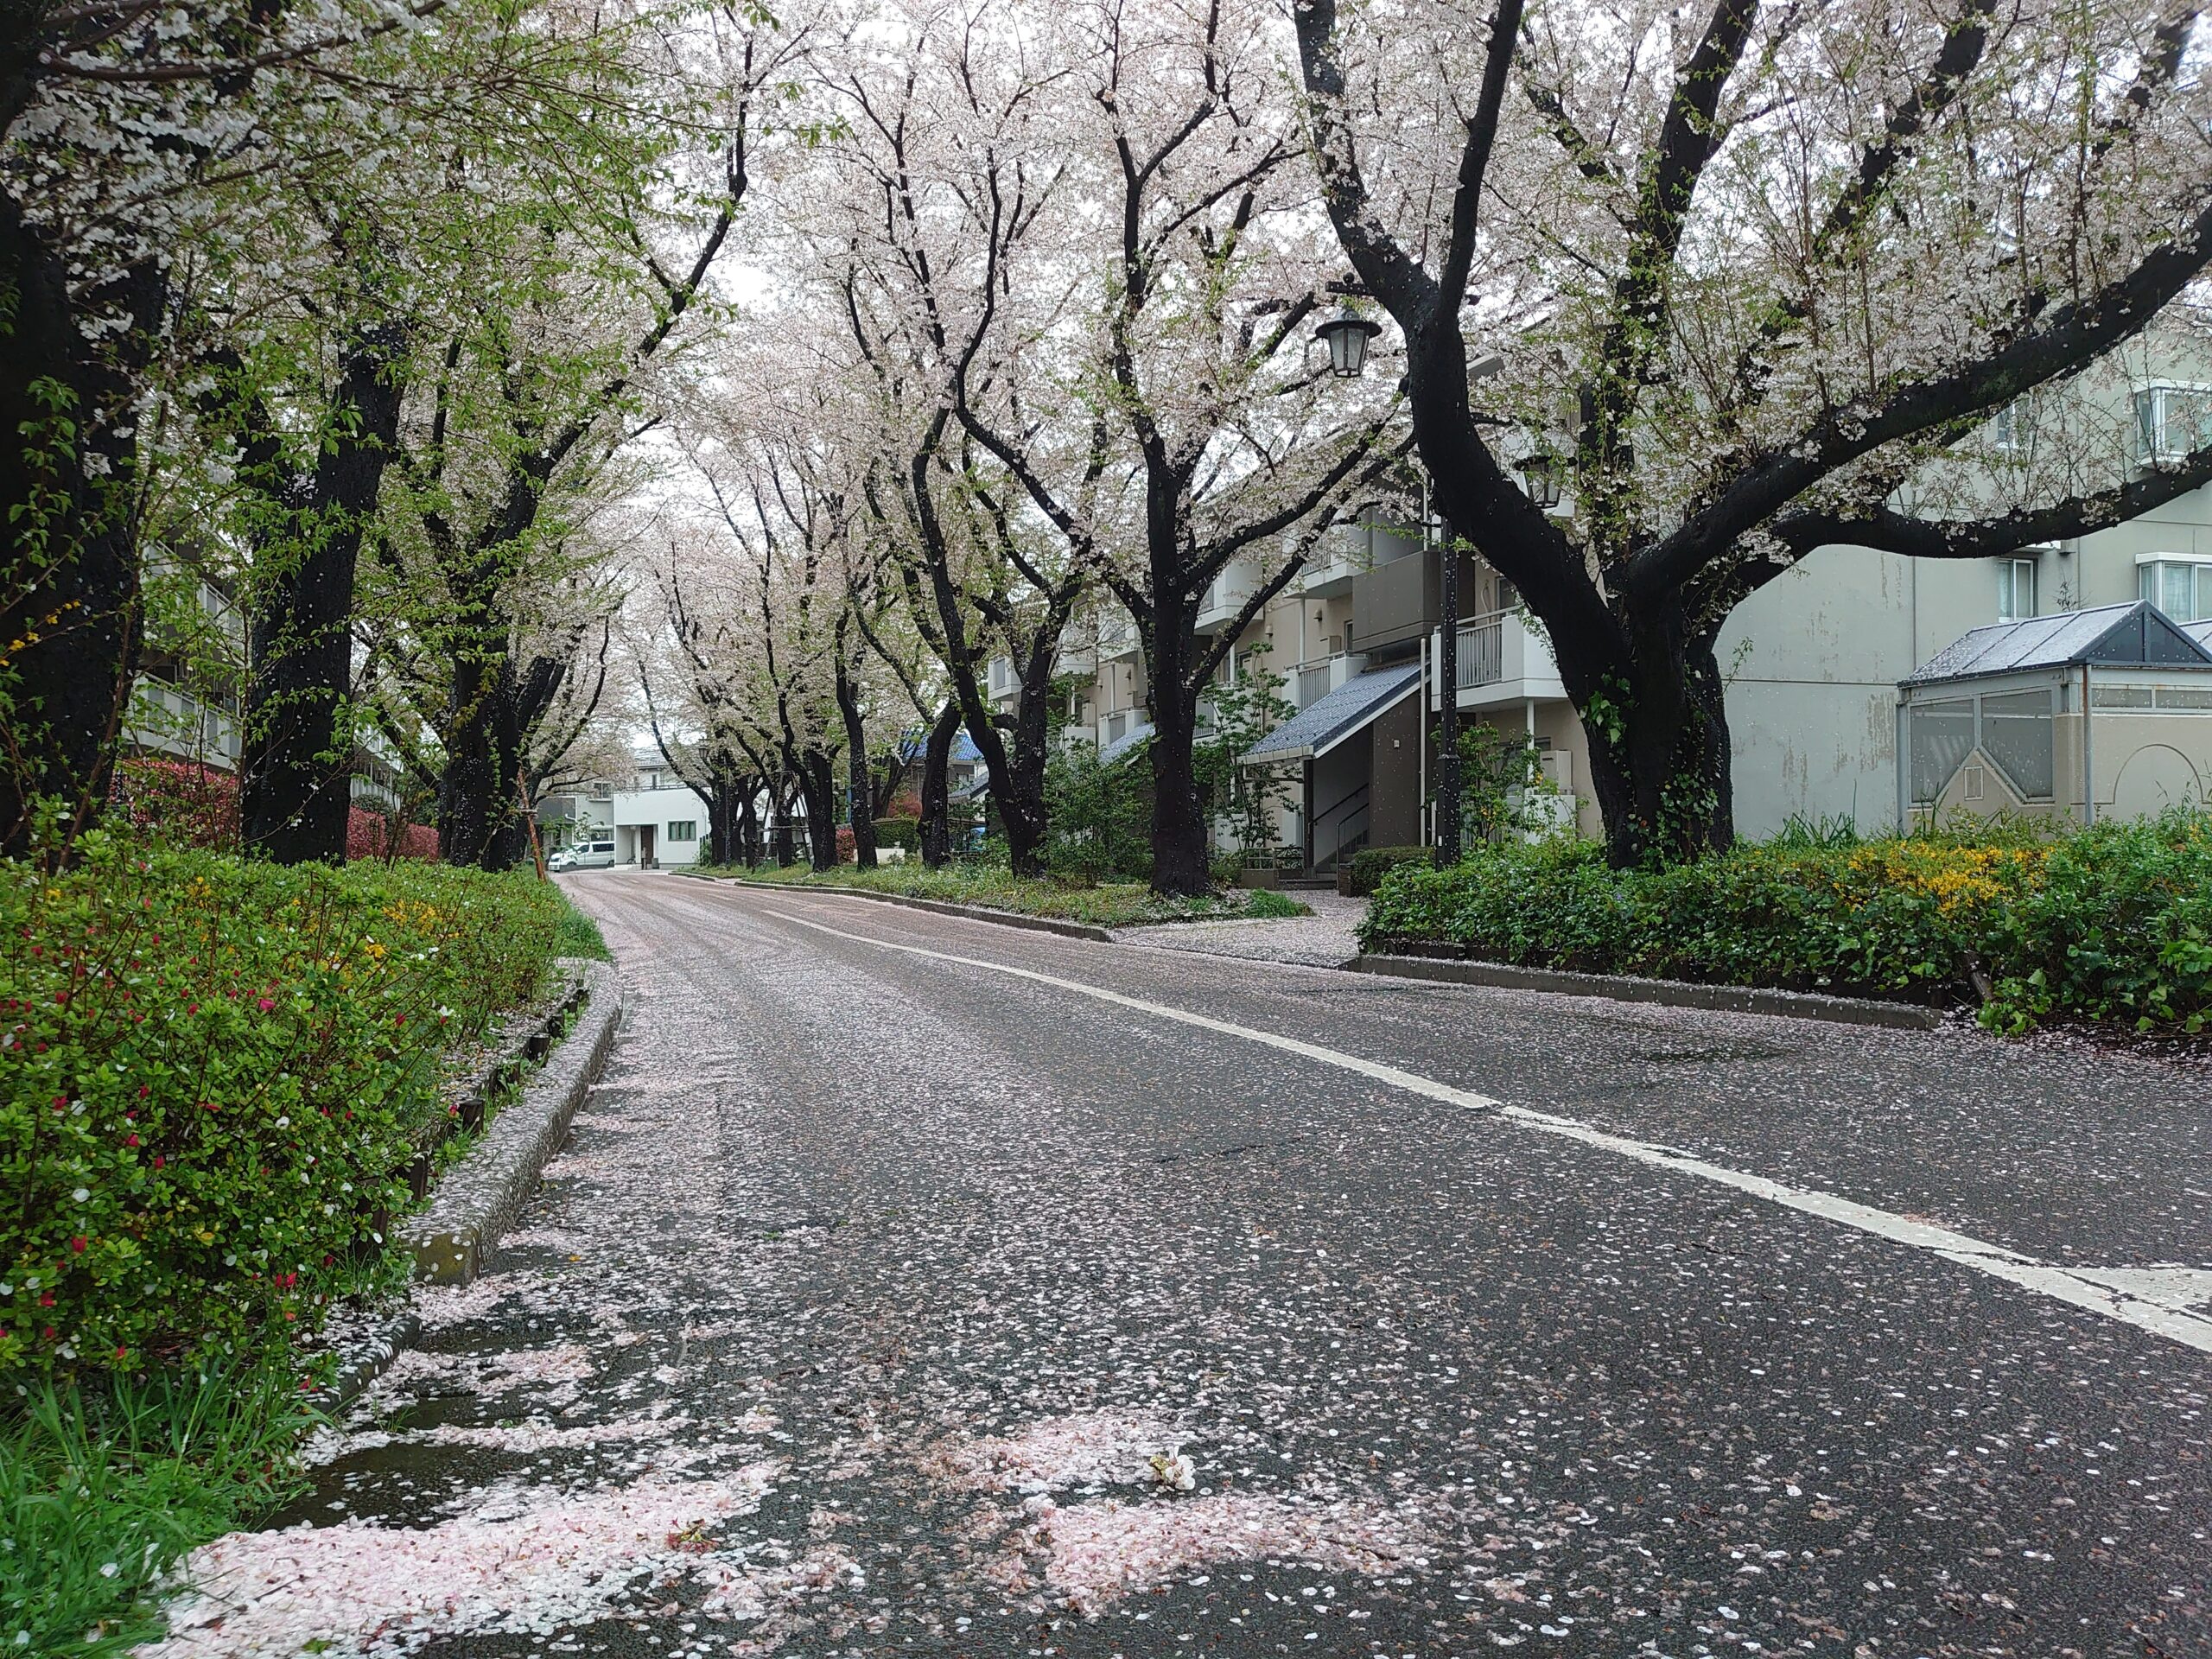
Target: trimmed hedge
215, 1070
2108, 924
1370, 865
190, 803
903, 833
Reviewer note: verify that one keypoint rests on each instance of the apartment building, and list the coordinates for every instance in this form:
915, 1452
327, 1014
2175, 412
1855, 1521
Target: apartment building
1819, 663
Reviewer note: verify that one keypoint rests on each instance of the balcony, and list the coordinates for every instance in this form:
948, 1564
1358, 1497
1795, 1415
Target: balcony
1118, 638
1342, 554
1502, 659
1224, 600
1306, 683
168, 720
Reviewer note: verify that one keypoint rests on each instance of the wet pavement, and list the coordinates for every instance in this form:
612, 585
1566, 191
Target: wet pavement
886, 1303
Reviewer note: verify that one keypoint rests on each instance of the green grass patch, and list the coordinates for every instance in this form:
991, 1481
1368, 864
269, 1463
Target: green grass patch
2112, 923
105, 1485
577, 935
1099, 904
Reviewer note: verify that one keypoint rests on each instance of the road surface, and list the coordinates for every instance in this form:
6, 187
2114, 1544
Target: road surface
905, 1269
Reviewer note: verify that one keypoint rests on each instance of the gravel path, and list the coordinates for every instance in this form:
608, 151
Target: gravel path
891, 1302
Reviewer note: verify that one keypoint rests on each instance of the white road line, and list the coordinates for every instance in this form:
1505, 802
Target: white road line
2077, 1289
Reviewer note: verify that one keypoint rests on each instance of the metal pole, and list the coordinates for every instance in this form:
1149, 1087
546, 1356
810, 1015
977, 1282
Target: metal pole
1447, 674
2088, 758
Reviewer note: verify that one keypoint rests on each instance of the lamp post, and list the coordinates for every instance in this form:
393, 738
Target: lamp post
1543, 476
1346, 335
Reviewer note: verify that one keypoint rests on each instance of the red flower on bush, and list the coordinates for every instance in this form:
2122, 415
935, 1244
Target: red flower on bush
80, 1244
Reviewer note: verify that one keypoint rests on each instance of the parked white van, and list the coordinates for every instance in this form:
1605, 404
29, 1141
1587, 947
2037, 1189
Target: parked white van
584, 856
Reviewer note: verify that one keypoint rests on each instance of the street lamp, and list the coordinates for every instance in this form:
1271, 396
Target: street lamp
1346, 335
1542, 475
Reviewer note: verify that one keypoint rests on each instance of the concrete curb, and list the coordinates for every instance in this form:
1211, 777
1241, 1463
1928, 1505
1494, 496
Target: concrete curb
971, 912
363, 1362
481, 1195
1667, 993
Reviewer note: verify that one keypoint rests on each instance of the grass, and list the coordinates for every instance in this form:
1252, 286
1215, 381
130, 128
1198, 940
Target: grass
1099, 904
578, 936
103, 1488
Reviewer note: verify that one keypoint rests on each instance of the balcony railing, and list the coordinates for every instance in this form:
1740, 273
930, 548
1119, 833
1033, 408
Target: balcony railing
1482, 652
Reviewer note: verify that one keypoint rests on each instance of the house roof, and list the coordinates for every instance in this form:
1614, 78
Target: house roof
915, 743
2200, 631
2135, 635
1350, 708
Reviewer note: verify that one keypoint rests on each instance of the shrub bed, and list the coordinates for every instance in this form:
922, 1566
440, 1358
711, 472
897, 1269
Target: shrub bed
2108, 924
1364, 871
185, 803
214, 1068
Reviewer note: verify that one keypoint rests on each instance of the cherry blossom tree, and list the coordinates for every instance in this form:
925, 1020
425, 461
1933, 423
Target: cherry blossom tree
306, 334
1760, 277
131, 135
1138, 359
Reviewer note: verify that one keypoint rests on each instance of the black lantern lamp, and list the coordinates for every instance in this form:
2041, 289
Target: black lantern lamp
1542, 475
1346, 335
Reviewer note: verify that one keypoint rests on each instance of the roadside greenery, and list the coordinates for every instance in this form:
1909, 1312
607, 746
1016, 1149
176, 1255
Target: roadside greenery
215, 1070
577, 935
105, 1487
1104, 904
1367, 868
2112, 923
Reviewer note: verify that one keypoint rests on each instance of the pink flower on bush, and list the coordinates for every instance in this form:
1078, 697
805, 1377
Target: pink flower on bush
267, 1004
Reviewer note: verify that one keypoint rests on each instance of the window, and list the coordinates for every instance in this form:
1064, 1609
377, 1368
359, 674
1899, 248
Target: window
2170, 421
683, 830
2004, 429
2016, 731
2016, 589
2180, 587
1942, 737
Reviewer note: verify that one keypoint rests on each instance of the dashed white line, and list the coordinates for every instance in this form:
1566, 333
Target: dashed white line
2078, 1289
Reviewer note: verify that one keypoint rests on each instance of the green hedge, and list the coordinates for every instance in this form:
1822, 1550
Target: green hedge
903, 833
2109, 924
214, 1070
1370, 864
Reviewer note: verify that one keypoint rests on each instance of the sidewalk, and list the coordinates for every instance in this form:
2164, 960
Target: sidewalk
1325, 939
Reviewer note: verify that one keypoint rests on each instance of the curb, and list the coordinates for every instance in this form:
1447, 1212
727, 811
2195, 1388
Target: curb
480, 1196
367, 1361
1666, 993
971, 912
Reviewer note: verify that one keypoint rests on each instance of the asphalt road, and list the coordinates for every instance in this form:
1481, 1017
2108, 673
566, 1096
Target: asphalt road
877, 1279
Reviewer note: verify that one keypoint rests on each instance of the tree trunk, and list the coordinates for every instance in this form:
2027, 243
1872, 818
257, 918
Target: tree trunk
297, 767
1180, 865
859, 791
786, 843
1660, 759
936, 791
818, 791
721, 812
748, 823
478, 820
68, 505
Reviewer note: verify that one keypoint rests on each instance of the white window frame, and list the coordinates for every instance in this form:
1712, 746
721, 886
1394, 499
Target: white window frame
2008, 587
2201, 561
2159, 449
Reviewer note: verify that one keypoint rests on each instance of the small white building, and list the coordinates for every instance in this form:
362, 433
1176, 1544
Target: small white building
653, 817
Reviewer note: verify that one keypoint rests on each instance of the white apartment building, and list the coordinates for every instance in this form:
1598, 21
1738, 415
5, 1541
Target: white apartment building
654, 818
